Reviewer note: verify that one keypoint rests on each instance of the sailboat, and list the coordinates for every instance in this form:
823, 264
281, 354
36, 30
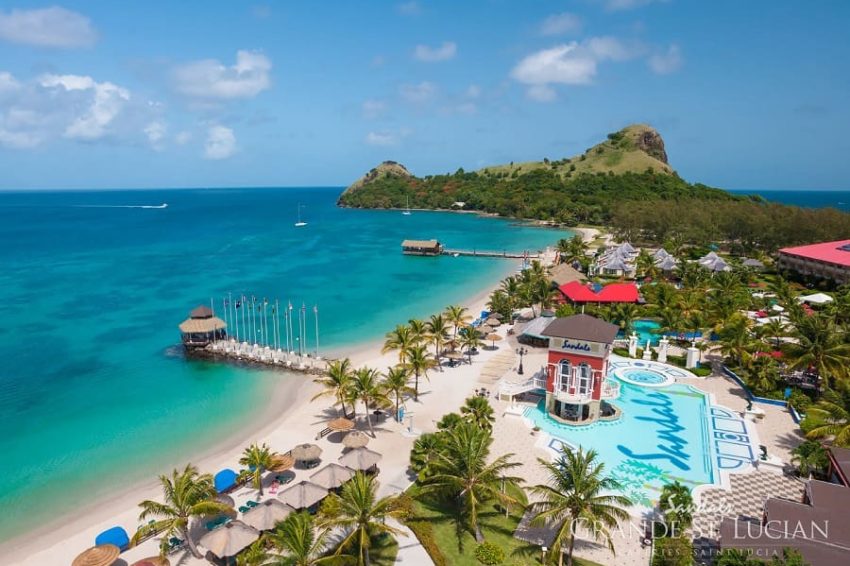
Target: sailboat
300, 222
406, 211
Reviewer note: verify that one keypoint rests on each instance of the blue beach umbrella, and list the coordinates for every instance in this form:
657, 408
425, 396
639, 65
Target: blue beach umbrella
116, 535
225, 479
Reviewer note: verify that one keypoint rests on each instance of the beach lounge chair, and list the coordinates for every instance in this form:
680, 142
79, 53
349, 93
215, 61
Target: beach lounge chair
175, 544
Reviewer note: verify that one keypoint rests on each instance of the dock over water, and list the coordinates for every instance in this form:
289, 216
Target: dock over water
257, 355
490, 253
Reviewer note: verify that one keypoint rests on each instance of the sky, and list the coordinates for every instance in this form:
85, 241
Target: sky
103, 94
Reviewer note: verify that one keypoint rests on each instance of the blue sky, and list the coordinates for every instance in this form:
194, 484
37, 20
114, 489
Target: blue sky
102, 94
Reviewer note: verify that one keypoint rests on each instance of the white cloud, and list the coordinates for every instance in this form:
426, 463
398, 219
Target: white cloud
182, 138
385, 138
47, 27
571, 63
541, 93
220, 143
373, 108
411, 8
156, 131
210, 79
106, 101
668, 62
429, 54
8, 83
418, 93
473, 91
620, 5
559, 24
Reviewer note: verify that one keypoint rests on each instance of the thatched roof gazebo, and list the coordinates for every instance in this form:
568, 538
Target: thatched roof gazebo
341, 424
306, 453
332, 476
201, 328
267, 514
303, 495
355, 439
152, 561
100, 555
281, 463
360, 459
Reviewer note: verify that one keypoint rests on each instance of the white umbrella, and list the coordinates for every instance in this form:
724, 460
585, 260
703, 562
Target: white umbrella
360, 459
267, 514
332, 476
229, 539
303, 495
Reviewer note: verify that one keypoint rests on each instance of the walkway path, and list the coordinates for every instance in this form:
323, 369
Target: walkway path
410, 551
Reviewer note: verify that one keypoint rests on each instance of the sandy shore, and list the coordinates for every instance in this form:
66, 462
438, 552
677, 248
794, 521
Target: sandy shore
292, 419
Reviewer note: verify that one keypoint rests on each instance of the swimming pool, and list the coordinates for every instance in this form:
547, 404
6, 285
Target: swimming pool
647, 329
667, 432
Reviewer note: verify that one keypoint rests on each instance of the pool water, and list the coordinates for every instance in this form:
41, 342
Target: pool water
661, 436
647, 329
642, 376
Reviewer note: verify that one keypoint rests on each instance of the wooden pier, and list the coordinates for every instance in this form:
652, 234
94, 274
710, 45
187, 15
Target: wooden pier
489, 253
243, 353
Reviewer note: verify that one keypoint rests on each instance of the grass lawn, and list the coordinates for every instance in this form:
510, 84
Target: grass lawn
382, 553
497, 530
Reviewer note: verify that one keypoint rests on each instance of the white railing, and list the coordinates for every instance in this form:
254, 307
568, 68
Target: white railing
574, 397
610, 389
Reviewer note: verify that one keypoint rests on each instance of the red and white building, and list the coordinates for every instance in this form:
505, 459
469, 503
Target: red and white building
577, 389
828, 260
581, 293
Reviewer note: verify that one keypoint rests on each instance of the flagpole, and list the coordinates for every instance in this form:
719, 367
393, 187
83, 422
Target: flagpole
290, 337
304, 327
244, 328
212, 308
266, 320
230, 307
253, 320
316, 318
224, 308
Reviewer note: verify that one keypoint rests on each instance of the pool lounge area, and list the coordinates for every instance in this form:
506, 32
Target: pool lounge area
647, 329
668, 430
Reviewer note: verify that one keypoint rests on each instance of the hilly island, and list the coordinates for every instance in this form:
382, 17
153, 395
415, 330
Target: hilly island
624, 182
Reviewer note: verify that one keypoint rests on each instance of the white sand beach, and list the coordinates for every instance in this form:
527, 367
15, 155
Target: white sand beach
294, 420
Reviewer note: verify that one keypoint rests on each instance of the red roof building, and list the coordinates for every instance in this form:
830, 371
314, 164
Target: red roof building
577, 292
827, 260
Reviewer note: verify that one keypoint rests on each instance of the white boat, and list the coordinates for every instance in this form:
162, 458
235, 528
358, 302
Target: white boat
407, 210
300, 222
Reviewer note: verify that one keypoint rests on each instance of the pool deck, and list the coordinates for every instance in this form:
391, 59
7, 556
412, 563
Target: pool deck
743, 493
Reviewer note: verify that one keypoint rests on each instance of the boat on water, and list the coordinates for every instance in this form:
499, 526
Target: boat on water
406, 211
300, 222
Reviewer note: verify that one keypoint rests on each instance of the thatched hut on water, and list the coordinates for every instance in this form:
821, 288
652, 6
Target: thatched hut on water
201, 328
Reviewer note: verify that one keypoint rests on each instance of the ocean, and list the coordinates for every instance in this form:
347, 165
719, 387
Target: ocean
805, 198
94, 391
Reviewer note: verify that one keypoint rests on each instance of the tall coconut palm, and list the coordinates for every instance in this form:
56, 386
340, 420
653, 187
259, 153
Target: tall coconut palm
735, 339
336, 382
469, 341
186, 495
464, 474
511, 288
676, 504
419, 330
360, 515
645, 264
774, 329
832, 420
258, 459
458, 317
401, 338
255, 555
438, 333
478, 411
366, 387
624, 315
500, 303
821, 344
300, 542
397, 383
418, 362
574, 495
572, 250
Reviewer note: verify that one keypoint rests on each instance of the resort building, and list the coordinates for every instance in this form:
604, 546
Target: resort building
816, 526
839, 466
577, 389
618, 261
421, 247
827, 260
201, 328
578, 293
713, 262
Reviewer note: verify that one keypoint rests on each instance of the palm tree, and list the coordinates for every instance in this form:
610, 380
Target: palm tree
512, 289
470, 340
186, 494
254, 555
500, 303
463, 474
676, 504
396, 381
821, 344
624, 315
424, 451
773, 329
418, 362
299, 542
574, 493
401, 339
457, 317
832, 420
811, 458
419, 330
572, 250
258, 459
337, 382
367, 388
478, 411
360, 515
438, 333
735, 339
645, 264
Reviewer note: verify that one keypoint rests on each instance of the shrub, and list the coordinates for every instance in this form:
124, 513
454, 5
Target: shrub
799, 400
621, 352
701, 371
425, 533
489, 553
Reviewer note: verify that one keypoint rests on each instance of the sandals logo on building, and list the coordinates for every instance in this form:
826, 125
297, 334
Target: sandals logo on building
576, 346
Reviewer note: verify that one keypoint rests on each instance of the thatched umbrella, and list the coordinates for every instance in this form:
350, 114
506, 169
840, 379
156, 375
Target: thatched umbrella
229, 539
332, 476
355, 439
306, 452
267, 514
341, 424
493, 337
281, 463
496, 315
303, 495
493, 322
100, 555
360, 459
152, 561
454, 355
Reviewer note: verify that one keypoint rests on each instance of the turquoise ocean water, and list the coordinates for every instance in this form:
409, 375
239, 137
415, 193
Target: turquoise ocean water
805, 198
94, 395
